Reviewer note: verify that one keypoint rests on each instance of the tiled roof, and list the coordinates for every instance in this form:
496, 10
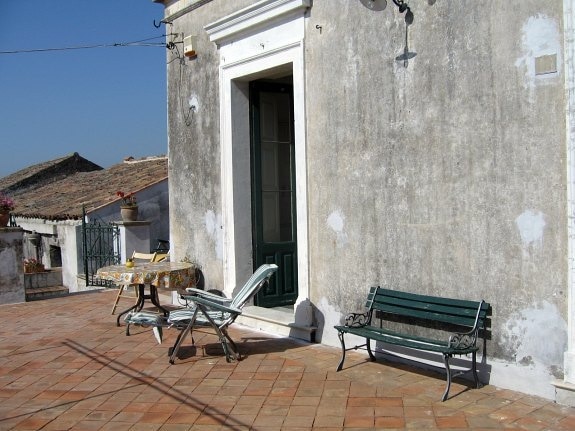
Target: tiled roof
63, 199
46, 172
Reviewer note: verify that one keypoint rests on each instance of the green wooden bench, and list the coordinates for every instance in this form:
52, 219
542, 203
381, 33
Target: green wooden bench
459, 323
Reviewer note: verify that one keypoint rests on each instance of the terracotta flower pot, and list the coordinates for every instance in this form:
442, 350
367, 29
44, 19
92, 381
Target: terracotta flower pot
129, 213
34, 269
4, 218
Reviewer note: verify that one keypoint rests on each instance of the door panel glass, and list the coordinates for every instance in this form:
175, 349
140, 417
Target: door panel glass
276, 168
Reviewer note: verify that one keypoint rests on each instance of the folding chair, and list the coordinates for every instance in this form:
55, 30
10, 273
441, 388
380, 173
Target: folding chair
162, 257
123, 289
206, 310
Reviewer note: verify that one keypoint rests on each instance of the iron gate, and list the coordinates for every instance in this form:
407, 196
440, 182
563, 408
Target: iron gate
101, 247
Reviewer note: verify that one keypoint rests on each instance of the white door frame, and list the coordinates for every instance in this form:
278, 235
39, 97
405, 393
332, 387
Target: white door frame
276, 48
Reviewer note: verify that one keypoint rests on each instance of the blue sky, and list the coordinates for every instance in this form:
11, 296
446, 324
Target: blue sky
104, 103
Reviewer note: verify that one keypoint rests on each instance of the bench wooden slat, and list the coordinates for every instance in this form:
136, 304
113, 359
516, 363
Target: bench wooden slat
422, 304
381, 291
429, 315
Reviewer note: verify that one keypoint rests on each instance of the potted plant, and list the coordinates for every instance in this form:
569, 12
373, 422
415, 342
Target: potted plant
129, 206
6, 205
33, 265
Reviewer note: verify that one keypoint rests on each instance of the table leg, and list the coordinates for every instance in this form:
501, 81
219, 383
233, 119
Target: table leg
138, 305
155, 300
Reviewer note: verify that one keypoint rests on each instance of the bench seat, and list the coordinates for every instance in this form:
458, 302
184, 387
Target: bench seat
411, 341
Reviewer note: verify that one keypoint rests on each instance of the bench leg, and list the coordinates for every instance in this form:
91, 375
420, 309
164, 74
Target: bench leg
474, 365
340, 366
368, 345
448, 370
343, 349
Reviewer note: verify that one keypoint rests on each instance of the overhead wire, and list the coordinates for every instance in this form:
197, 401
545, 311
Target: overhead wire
142, 42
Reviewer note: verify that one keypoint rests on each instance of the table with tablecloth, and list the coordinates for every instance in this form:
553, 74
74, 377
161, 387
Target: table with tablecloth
158, 275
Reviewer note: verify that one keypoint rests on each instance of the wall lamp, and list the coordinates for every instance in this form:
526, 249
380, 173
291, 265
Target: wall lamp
378, 5
403, 7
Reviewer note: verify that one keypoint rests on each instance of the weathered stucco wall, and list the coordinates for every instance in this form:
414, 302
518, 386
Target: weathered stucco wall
194, 147
446, 176
443, 175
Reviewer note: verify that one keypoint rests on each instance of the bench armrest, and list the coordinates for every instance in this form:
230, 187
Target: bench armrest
357, 320
465, 340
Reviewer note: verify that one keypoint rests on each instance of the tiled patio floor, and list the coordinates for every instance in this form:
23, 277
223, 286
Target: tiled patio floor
64, 364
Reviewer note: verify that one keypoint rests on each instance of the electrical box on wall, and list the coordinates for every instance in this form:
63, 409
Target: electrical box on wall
190, 43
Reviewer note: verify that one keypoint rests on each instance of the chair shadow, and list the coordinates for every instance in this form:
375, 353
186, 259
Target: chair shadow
207, 344
247, 346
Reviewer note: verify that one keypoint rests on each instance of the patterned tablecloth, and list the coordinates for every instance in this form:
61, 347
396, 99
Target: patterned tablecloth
162, 275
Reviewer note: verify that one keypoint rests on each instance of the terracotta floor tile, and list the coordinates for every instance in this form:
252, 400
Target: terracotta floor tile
163, 407
89, 425
245, 410
218, 409
309, 392
389, 411
567, 423
257, 390
273, 410
426, 424
182, 418
329, 406
251, 400
389, 422
116, 426
100, 415
300, 411
279, 400
362, 401
298, 422
31, 423
268, 421
359, 422
283, 392
418, 412
125, 416
451, 422
360, 411
240, 420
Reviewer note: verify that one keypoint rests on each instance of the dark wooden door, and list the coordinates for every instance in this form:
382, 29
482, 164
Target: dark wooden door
273, 190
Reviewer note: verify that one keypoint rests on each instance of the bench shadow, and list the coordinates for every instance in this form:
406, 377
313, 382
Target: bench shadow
425, 364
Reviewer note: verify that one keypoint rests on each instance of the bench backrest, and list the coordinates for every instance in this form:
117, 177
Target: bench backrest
456, 312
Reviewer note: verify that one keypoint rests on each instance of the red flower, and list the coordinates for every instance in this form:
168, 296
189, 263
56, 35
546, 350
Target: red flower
127, 199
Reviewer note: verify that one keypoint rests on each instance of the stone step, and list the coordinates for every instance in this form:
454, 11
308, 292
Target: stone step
37, 293
278, 321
